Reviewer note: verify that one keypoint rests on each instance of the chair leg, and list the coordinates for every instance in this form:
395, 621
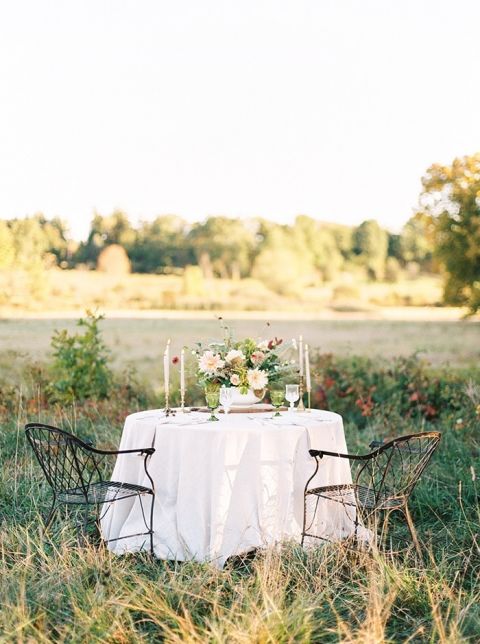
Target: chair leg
50, 516
384, 530
98, 527
413, 532
356, 522
151, 525
302, 540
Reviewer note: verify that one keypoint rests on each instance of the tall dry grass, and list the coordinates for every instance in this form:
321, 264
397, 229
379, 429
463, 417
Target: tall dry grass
54, 590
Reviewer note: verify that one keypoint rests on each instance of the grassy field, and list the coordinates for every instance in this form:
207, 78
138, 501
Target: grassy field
66, 290
141, 341
55, 590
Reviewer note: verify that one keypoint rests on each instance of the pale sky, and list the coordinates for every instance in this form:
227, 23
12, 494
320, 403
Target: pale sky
250, 107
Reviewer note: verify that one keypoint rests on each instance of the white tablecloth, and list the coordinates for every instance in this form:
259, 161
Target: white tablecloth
224, 488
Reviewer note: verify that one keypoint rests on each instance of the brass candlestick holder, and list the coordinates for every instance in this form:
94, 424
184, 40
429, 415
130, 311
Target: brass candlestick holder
301, 406
167, 410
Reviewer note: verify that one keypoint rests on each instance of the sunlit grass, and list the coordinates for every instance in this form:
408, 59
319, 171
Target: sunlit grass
64, 290
54, 590
140, 341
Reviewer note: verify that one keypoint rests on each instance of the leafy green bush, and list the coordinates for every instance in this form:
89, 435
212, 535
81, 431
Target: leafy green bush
80, 368
406, 388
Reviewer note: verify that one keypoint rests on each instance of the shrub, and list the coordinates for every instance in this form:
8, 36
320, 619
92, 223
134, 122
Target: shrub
404, 389
393, 270
80, 367
114, 260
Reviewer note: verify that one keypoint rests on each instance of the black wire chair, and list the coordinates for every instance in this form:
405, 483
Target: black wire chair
75, 470
382, 484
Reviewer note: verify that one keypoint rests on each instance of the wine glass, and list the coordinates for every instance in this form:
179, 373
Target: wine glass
277, 400
292, 394
212, 398
226, 398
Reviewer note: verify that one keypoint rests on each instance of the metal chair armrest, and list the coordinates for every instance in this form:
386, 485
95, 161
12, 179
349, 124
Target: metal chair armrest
320, 453
148, 451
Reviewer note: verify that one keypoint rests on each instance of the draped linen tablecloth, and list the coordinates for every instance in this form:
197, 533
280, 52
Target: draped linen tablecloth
223, 488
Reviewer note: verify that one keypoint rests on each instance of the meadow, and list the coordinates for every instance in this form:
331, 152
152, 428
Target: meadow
55, 289
55, 589
140, 341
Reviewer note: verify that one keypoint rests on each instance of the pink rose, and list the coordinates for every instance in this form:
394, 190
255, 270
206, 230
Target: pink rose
258, 357
235, 379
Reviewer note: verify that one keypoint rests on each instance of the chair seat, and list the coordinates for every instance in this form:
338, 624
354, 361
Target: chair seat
350, 494
102, 492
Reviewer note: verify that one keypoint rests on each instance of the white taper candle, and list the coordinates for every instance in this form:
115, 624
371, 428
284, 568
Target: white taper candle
166, 368
182, 373
300, 354
308, 381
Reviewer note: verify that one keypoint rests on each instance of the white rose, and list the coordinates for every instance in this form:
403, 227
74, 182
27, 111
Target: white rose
234, 356
235, 379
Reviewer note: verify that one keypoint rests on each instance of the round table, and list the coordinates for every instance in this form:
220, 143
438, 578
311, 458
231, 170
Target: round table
224, 488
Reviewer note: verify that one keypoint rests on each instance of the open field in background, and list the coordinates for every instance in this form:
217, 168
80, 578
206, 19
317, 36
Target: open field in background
141, 341
63, 290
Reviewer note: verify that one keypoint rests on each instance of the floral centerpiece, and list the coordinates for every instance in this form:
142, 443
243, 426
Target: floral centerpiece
248, 365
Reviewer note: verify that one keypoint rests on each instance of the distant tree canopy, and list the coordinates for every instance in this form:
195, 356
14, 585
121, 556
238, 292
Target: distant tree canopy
7, 247
229, 245
161, 244
443, 236
370, 245
451, 201
114, 229
417, 242
225, 247
284, 262
326, 254
28, 243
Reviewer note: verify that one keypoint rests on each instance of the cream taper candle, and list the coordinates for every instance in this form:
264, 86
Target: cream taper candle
182, 373
300, 354
308, 381
166, 368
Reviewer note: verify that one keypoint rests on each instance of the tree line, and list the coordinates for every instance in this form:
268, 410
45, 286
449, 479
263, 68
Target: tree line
221, 246
442, 236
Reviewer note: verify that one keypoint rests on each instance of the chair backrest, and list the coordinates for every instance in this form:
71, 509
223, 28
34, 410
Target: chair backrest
393, 470
66, 461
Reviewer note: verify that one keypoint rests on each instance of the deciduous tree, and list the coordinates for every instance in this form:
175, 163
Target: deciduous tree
7, 250
229, 243
451, 195
370, 244
417, 240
